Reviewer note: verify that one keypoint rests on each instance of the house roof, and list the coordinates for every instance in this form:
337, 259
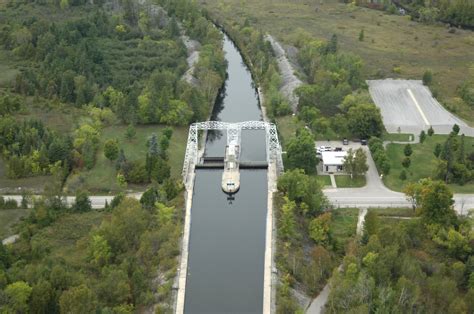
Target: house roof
333, 158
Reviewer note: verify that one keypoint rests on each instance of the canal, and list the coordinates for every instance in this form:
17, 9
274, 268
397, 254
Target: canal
227, 238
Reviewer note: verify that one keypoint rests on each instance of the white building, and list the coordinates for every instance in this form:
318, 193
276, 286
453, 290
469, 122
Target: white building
333, 161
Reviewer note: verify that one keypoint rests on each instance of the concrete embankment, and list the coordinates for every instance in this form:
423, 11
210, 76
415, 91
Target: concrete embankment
183, 268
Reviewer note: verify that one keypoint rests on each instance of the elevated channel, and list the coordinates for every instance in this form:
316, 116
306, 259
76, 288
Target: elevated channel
226, 254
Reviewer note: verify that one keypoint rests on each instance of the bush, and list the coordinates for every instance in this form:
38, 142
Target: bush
379, 155
422, 136
83, 203
137, 173
406, 162
8, 204
427, 77
403, 175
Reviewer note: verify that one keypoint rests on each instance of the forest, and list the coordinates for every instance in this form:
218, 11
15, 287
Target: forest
422, 264
122, 66
67, 259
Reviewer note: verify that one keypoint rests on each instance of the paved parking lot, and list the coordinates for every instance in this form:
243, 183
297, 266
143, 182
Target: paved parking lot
410, 106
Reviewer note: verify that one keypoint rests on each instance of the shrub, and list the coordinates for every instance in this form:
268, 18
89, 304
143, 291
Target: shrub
403, 175
427, 77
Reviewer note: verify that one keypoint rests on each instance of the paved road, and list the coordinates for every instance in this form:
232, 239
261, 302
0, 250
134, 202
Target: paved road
96, 201
376, 194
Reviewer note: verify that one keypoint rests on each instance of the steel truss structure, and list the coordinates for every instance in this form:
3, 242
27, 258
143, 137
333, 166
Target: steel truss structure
233, 134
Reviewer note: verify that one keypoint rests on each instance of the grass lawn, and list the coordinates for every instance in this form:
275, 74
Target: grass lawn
400, 212
324, 180
397, 137
345, 181
412, 47
423, 163
8, 218
344, 224
102, 178
34, 184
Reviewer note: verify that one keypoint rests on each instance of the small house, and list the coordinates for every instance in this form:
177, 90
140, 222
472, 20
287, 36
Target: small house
333, 161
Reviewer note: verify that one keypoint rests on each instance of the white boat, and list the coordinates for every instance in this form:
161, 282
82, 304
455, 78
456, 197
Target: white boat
231, 174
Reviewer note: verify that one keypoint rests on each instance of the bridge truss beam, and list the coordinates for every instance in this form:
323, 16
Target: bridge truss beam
273, 147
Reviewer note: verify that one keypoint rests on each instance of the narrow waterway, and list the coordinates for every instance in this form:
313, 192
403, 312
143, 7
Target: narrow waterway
227, 238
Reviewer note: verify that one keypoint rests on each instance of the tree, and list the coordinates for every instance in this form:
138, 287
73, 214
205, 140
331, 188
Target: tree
456, 129
42, 297
422, 136
99, 251
294, 183
413, 194
149, 198
407, 150
78, 299
430, 131
371, 224
130, 132
437, 150
406, 162
301, 153
436, 202
287, 230
355, 163
83, 203
118, 279
331, 47
365, 120
319, 229
18, 294
427, 77
361, 35
111, 149
403, 175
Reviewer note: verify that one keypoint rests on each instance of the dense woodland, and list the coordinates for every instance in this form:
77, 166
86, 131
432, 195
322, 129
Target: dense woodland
424, 264
122, 63
335, 100
121, 259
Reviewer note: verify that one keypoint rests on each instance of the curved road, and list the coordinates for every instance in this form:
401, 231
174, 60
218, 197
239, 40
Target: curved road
376, 194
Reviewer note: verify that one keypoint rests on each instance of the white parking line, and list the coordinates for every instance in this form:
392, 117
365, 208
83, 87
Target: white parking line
418, 106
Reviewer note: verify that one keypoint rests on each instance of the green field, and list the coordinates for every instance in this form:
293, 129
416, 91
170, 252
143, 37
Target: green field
394, 46
345, 181
397, 137
102, 178
399, 212
324, 180
344, 223
8, 218
423, 163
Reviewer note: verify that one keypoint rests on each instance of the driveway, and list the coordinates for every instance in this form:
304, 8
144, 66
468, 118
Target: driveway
375, 193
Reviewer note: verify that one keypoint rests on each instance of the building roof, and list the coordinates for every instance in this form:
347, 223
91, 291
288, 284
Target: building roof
333, 158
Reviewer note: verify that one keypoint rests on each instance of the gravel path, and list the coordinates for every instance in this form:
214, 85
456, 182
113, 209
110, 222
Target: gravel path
289, 80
